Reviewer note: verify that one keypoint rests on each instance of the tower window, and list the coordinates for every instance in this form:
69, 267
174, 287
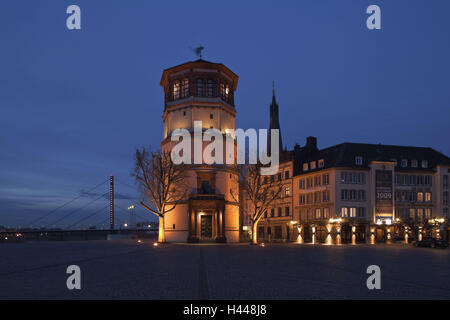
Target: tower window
185, 88
176, 90
184, 113
211, 116
210, 88
200, 88
225, 91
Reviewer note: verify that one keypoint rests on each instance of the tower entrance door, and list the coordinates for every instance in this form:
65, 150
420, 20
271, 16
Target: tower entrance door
206, 226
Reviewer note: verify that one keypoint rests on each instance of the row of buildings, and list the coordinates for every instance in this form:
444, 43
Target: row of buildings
347, 193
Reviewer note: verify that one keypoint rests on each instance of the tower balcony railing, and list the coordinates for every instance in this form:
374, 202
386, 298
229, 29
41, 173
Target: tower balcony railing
202, 194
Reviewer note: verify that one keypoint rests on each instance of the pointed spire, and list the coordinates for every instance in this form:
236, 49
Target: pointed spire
274, 121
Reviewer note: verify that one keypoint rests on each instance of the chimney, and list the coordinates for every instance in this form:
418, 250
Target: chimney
311, 144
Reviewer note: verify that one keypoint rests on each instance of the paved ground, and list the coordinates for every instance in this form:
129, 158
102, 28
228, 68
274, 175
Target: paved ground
126, 269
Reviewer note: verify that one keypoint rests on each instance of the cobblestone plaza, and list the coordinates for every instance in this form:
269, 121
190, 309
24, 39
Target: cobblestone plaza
129, 270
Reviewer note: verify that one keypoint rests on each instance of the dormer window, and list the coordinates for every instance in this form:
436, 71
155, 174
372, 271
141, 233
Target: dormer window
424, 164
312, 165
358, 160
414, 163
404, 163
305, 167
321, 163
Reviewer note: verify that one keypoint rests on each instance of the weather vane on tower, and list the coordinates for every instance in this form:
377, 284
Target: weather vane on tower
198, 51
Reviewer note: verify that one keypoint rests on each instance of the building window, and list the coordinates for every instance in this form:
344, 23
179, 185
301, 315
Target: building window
265, 214
428, 180
344, 212
287, 191
344, 194
352, 212
404, 179
361, 178
176, 90
312, 165
428, 213
412, 180
445, 197
305, 167
200, 88
225, 91
326, 179
211, 116
326, 195
302, 184
318, 213
446, 213
210, 88
309, 183
272, 212
186, 91
420, 196
420, 214
184, 113
358, 160
414, 163
420, 180
286, 211
286, 174
279, 212
317, 181
302, 199
279, 176
424, 164
326, 213
445, 182
362, 195
343, 177
404, 163
321, 163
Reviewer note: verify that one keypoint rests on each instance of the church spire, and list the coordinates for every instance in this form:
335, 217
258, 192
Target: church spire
274, 121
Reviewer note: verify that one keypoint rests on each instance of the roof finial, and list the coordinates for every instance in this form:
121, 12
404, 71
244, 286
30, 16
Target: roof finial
273, 87
198, 51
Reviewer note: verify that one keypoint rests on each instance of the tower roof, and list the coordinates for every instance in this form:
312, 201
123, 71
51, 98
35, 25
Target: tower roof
200, 63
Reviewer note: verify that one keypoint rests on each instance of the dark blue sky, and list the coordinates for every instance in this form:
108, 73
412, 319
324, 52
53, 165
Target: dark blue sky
74, 105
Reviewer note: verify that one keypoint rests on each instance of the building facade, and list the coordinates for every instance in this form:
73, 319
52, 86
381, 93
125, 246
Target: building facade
357, 193
202, 91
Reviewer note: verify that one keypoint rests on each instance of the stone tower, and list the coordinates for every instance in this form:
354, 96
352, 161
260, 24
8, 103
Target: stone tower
202, 91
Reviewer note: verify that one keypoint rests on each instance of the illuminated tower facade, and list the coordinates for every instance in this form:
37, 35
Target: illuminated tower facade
202, 91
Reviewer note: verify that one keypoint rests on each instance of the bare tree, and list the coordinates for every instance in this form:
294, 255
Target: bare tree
162, 183
258, 192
